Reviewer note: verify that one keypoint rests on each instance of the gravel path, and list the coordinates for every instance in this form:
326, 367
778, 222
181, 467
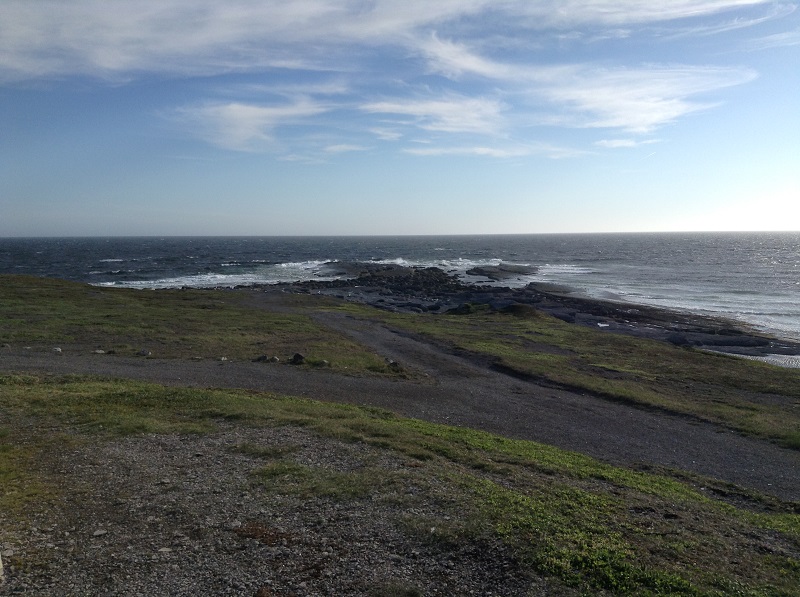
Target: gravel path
156, 515
460, 391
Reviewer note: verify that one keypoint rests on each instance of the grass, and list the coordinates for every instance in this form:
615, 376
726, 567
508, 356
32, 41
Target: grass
747, 396
182, 324
587, 526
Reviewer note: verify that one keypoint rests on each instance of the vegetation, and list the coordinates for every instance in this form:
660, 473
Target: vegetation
207, 324
583, 524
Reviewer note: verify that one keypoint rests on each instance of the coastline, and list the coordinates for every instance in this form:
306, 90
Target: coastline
407, 289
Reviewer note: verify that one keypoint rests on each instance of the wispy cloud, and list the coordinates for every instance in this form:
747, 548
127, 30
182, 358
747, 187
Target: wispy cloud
389, 70
639, 100
776, 11
551, 151
636, 100
242, 127
385, 134
451, 114
344, 148
54, 38
776, 40
570, 13
624, 143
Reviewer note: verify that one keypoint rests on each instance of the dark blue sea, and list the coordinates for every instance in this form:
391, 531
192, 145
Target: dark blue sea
750, 277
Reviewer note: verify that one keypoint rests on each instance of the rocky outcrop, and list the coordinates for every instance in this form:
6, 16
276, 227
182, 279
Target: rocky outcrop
503, 271
431, 290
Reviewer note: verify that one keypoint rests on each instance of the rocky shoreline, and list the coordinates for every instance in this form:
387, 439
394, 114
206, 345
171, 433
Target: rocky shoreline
431, 290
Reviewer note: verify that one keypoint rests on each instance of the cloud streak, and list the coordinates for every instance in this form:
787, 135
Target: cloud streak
242, 127
389, 70
93, 37
450, 115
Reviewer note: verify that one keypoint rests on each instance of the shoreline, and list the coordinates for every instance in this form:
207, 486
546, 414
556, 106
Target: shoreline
407, 289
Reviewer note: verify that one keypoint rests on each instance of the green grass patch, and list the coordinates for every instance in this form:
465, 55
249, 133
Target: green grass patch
189, 323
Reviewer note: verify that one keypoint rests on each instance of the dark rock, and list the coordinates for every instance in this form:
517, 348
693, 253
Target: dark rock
462, 309
567, 316
502, 271
678, 339
297, 359
521, 310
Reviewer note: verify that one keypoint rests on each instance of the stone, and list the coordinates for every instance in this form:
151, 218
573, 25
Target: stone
274, 360
144, 353
98, 351
57, 350
99, 533
261, 359
298, 359
678, 339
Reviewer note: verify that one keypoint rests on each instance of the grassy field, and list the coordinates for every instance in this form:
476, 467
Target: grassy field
587, 526
199, 324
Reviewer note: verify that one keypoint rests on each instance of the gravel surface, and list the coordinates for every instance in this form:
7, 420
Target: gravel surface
168, 515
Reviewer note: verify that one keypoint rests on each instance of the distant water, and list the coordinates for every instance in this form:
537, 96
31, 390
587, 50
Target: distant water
751, 277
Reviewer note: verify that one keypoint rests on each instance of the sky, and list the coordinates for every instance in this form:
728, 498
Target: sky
373, 117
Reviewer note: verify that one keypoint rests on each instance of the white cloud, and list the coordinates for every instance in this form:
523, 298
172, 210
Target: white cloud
623, 143
777, 40
479, 151
569, 13
385, 134
639, 100
497, 152
777, 11
96, 37
242, 127
454, 59
636, 100
493, 80
344, 147
450, 115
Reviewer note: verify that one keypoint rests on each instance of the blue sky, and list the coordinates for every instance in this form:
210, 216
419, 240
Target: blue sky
243, 117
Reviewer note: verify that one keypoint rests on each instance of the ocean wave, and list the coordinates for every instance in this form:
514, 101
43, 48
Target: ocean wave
569, 269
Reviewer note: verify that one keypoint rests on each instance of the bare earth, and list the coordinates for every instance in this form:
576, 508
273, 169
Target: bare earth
155, 515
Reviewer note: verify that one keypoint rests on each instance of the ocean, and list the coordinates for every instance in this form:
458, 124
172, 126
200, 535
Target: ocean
750, 277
